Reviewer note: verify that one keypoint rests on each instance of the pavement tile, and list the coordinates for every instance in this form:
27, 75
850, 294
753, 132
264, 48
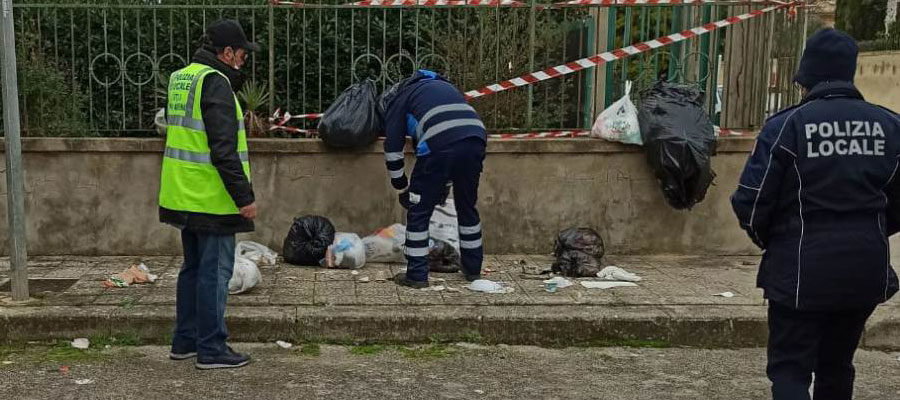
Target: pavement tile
291, 299
248, 300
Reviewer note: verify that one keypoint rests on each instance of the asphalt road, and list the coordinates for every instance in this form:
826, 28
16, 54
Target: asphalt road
426, 372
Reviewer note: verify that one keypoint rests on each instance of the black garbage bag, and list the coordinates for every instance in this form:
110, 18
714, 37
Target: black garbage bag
678, 141
578, 252
443, 257
353, 119
308, 240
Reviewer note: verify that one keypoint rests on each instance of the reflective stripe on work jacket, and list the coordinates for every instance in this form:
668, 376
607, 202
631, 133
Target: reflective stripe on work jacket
190, 182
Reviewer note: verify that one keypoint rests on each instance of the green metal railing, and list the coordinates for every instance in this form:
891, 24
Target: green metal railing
102, 68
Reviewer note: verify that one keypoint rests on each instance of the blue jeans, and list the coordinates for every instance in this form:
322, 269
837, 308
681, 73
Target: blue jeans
202, 294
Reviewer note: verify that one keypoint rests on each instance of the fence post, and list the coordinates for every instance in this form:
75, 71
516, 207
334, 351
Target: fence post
271, 46
531, 39
15, 188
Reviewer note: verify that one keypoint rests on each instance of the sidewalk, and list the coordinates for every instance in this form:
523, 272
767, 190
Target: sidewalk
673, 305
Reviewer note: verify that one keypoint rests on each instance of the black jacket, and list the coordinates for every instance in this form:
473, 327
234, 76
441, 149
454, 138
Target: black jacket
219, 117
817, 196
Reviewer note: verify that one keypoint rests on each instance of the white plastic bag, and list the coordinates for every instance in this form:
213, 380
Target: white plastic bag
160, 121
259, 254
619, 122
386, 245
444, 225
347, 251
245, 277
248, 256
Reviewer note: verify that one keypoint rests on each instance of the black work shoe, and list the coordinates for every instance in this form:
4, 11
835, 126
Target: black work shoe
472, 278
230, 359
401, 280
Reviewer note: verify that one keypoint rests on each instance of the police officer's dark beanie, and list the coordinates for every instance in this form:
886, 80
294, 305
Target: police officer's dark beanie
830, 55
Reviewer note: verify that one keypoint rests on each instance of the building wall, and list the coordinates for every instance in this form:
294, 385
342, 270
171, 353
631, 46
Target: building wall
99, 196
878, 78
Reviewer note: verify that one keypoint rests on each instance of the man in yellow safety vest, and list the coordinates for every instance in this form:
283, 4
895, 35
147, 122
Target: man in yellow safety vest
205, 190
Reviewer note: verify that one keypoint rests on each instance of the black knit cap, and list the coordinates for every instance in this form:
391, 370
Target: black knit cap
830, 55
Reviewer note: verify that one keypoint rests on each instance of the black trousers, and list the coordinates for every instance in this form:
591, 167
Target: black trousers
805, 342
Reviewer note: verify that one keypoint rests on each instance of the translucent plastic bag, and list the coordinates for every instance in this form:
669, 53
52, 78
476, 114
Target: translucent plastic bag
245, 277
259, 254
386, 245
619, 122
444, 224
348, 252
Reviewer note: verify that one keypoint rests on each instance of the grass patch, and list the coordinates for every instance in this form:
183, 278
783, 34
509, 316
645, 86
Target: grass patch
311, 349
367, 350
122, 339
432, 351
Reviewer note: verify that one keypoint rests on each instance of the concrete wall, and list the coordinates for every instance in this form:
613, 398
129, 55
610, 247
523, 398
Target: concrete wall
878, 78
99, 196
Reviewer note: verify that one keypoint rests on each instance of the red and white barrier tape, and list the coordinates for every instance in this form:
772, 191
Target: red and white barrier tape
593, 61
438, 3
280, 118
541, 135
659, 2
418, 3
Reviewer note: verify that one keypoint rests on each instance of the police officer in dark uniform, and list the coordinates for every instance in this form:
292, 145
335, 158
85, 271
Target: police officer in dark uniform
450, 143
816, 196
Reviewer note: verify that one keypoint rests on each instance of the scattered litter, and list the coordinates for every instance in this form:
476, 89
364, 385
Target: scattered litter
283, 344
258, 253
488, 286
470, 346
354, 272
64, 369
488, 270
364, 279
559, 282
613, 273
438, 288
578, 252
479, 391
725, 294
438, 280
133, 275
7, 363
453, 289
81, 343
606, 284
380, 276
84, 381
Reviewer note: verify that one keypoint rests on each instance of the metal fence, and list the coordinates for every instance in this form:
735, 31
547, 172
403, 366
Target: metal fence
101, 69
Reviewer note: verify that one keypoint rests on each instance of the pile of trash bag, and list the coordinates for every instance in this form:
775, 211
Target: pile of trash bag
248, 256
353, 119
387, 245
308, 240
578, 253
678, 140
